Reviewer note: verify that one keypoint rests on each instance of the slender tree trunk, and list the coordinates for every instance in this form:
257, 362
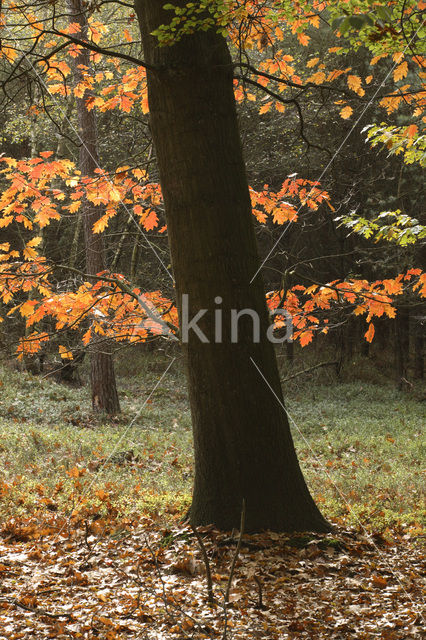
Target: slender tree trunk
121, 242
134, 259
349, 340
242, 442
104, 390
75, 242
402, 345
290, 351
419, 363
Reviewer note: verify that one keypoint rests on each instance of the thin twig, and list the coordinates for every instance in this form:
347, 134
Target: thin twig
316, 366
232, 570
90, 551
237, 551
86, 537
40, 612
258, 581
167, 601
210, 594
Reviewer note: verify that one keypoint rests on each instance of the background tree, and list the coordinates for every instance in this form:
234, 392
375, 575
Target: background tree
102, 377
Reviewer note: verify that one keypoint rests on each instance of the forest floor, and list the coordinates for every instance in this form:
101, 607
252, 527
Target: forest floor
92, 543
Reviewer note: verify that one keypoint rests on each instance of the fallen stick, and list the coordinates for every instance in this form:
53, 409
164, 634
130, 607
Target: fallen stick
316, 366
37, 610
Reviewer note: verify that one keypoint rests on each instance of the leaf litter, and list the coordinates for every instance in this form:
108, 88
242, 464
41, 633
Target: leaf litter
146, 579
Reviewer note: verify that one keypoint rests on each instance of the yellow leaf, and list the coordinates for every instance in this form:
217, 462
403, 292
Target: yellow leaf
265, 108
346, 112
75, 472
72, 182
5, 221
360, 309
65, 353
303, 39
29, 253
114, 195
138, 173
311, 63
368, 79
27, 308
390, 103
34, 242
74, 206
317, 78
121, 172
376, 59
45, 215
400, 71
9, 53
101, 224
354, 83
333, 75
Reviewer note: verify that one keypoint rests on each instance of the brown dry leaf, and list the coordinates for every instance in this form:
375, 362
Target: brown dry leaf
378, 581
187, 566
148, 590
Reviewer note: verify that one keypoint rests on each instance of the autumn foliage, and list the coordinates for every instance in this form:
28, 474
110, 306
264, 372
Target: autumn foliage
112, 305
43, 190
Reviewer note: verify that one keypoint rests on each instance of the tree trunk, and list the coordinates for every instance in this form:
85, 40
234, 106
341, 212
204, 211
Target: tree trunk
242, 443
102, 378
419, 366
290, 351
402, 345
120, 245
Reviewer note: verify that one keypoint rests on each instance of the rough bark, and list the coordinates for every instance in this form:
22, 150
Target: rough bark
242, 442
102, 378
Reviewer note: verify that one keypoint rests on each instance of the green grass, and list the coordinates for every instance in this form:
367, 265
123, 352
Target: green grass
359, 444
361, 449
49, 438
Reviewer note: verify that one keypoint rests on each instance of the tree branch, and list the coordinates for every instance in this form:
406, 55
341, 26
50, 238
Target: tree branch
316, 366
104, 51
